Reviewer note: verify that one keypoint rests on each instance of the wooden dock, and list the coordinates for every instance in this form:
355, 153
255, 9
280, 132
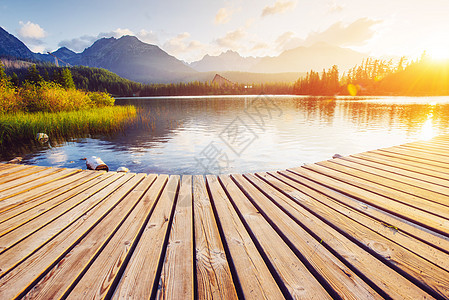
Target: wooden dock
368, 226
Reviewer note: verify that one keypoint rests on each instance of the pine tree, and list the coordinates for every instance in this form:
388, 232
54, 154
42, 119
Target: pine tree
33, 75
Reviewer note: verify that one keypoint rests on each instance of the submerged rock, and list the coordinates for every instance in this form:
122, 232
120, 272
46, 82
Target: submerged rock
95, 163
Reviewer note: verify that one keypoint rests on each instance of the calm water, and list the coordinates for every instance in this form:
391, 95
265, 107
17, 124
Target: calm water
203, 135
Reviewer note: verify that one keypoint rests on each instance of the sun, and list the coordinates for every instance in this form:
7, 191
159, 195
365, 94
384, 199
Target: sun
439, 54
439, 51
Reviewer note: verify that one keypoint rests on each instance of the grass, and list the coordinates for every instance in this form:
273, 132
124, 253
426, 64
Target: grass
22, 127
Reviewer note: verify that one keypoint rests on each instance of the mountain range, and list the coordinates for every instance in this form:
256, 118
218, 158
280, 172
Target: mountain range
133, 59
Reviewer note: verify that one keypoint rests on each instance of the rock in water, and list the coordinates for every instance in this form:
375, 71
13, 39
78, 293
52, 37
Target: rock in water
15, 160
95, 163
123, 170
42, 137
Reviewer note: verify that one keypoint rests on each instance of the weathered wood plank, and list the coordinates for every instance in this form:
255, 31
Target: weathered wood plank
405, 211
430, 183
20, 278
29, 185
408, 160
426, 149
213, 273
253, 274
35, 238
387, 184
177, 276
340, 279
391, 222
17, 173
294, 277
396, 256
140, 278
101, 251
37, 173
7, 166
16, 206
99, 279
73, 206
440, 160
303, 194
418, 170
20, 216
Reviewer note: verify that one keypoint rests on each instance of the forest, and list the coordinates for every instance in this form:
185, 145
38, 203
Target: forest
422, 77
375, 77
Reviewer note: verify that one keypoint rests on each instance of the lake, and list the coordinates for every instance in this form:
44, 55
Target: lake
239, 134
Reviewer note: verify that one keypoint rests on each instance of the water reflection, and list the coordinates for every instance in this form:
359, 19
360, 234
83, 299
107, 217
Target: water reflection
171, 134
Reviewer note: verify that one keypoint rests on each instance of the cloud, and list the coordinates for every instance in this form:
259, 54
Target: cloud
339, 34
32, 34
231, 39
182, 46
223, 15
32, 31
334, 7
119, 32
287, 41
149, 37
80, 43
278, 7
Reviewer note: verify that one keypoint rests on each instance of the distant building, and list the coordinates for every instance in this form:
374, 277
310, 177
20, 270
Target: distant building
221, 81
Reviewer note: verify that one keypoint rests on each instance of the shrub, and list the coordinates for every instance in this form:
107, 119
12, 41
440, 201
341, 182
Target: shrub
100, 99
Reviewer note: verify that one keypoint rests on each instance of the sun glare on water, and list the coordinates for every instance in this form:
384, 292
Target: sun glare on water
427, 129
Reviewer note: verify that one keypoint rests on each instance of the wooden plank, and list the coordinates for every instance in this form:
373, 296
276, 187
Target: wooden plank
425, 149
7, 166
438, 159
99, 278
289, 271
212, 269
253, 274
140, 278
332, 273
412, 214
390, 221
314, 199
38, 236
427, 200
22, 277
408, 160
20, 204
27, 176
15, 218
393, 255
415, 178
8, 173
429, 145
177, 276
19, 171
100, 253
22, 188
424, 173
73, 205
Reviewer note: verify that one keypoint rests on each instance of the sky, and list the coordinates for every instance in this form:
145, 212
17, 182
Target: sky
190, 29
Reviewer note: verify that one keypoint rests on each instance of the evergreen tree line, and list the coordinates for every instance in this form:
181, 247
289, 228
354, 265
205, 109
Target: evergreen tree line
101, 80
380, 77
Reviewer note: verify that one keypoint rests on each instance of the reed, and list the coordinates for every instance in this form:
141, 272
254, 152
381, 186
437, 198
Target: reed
22, 127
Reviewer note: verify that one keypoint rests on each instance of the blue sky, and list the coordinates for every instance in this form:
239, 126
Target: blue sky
191, 29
